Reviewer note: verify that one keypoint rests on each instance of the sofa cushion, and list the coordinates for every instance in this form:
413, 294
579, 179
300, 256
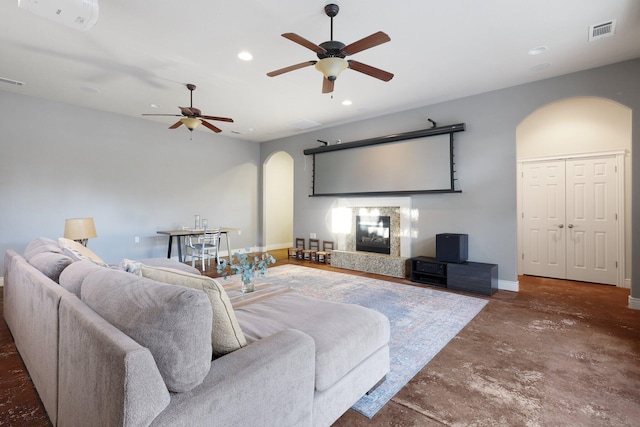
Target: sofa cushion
50, 264
226, 334
345, 334
40, 245
169, 263
79, 252
173, 322
72, 277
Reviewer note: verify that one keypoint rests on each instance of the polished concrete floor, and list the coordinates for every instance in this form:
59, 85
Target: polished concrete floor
557, 353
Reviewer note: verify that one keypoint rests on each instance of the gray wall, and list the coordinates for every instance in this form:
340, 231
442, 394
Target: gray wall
485, 159
132, 175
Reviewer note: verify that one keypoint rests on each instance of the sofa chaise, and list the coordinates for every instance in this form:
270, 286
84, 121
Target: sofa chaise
160, 345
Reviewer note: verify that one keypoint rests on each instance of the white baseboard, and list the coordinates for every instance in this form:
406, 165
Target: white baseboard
634, 303
279, 246
627, 284
506, 285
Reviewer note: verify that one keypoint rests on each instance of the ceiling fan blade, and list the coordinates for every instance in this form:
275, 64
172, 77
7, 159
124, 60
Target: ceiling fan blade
370, 71
291, 68
303, 42
366, 43
327, 85
165, 115
176, 125
210, 126
220, 119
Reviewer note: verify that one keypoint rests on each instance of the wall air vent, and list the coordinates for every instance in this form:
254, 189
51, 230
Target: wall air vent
603, 30
11, 82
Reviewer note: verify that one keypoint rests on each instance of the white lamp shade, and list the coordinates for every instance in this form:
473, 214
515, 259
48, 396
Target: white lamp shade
190, 122
331, 67
79, 228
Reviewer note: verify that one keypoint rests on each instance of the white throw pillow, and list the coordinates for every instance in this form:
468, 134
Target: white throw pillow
79, 252
226, 335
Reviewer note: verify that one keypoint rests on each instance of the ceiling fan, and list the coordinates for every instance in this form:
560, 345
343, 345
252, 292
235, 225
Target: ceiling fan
331, 55
192, 117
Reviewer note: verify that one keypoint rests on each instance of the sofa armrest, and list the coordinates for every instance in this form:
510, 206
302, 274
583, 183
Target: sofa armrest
104, 377
269, 382
31, 311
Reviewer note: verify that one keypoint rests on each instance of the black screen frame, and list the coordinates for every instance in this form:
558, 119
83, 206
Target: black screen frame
451, 129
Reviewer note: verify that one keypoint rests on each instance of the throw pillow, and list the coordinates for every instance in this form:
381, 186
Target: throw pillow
173, 322
39, 245
130, 266
50, 264
226, 335
79, 252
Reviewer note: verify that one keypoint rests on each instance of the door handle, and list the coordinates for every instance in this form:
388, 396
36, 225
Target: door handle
570, 225
560, 225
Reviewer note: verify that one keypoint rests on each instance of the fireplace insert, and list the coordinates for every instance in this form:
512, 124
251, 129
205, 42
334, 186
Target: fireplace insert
372, 234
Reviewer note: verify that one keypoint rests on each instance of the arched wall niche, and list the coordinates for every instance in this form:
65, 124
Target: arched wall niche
278, 201
580, 125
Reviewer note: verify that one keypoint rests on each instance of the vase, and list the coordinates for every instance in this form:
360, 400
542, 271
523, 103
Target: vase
249, 286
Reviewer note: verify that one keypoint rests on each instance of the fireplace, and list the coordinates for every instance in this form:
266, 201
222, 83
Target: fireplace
372, 234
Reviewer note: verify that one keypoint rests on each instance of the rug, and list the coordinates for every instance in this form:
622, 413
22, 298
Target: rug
423, 320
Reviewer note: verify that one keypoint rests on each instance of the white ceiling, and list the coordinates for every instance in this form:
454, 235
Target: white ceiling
143, 52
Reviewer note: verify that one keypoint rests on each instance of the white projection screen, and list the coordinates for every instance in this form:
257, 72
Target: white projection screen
416, 165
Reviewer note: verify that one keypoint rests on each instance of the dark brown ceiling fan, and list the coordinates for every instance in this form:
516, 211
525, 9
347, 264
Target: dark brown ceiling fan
331, 55
192, 117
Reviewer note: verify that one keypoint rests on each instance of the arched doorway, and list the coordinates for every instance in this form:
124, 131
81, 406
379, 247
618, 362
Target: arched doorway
582, 128
278, 201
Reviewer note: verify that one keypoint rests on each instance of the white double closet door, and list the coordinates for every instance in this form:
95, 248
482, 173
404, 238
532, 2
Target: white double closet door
569, 219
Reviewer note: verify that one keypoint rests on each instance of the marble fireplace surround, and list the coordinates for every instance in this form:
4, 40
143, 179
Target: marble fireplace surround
399, 211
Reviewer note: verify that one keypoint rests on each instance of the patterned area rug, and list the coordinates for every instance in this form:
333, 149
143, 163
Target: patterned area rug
423, 320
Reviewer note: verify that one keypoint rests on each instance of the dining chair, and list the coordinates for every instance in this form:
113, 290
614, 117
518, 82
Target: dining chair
300, 246
325, 254
203, 245
310, 254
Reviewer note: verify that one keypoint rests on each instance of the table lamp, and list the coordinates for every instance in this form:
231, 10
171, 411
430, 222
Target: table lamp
79, 229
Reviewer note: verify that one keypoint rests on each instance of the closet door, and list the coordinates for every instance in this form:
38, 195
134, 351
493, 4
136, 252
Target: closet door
569, 219
543, 218
591, 220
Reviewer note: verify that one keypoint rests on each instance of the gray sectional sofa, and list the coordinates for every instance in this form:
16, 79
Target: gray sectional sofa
167, 347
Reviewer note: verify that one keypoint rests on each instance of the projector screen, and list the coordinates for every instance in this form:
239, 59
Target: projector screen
414, 165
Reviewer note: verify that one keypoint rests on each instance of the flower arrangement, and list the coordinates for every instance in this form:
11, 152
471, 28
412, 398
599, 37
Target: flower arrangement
248, 266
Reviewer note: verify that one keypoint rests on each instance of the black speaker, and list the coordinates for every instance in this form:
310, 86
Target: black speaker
452, 247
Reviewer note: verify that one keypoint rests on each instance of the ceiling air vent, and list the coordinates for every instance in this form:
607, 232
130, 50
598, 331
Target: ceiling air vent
600, 31
11, 82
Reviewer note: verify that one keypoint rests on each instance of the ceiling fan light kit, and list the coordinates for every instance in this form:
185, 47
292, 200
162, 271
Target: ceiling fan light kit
190, 122
331, 67
331, 55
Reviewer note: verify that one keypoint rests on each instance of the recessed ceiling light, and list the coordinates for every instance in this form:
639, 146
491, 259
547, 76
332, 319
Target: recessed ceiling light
347, 102
154, 106
539, 50
245, 56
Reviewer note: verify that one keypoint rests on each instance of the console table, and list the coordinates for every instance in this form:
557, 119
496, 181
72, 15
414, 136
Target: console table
473, 277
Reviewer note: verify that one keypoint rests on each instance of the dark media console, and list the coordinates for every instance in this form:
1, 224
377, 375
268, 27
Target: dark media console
473, 277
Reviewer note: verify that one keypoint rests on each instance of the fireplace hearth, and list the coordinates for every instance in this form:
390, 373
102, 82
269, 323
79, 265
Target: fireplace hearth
373, 234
